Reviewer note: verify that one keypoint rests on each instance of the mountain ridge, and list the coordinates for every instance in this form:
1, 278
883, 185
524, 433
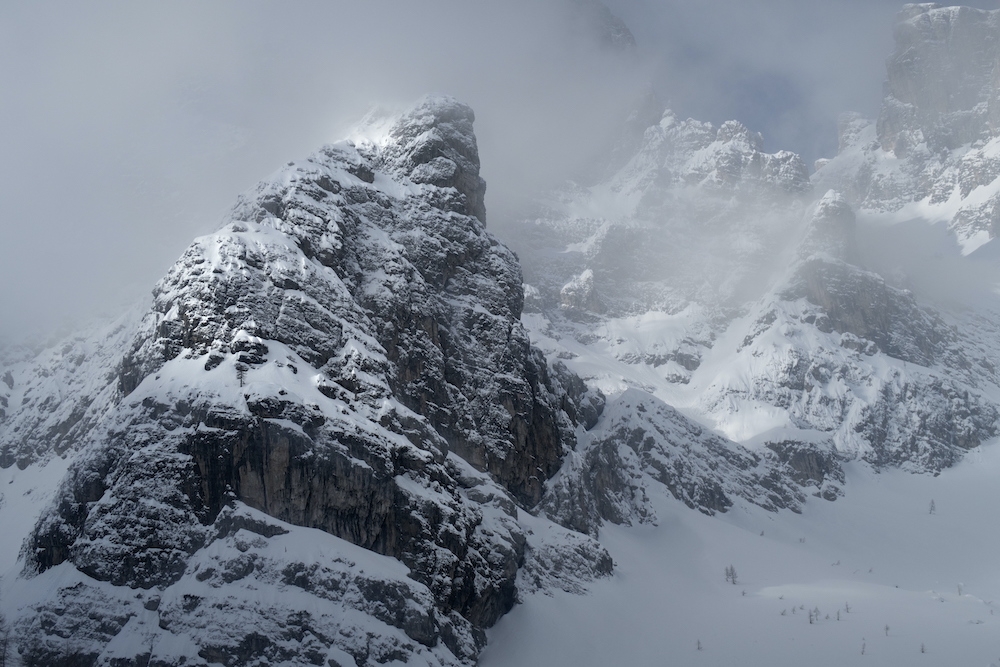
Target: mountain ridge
348, 432
346, 355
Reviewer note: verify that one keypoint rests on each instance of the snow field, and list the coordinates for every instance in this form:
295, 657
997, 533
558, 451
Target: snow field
879, 551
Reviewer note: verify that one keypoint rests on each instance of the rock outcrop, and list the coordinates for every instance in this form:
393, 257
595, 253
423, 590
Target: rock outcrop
330, 441
346, 355
934, 151
643, 441
941, 87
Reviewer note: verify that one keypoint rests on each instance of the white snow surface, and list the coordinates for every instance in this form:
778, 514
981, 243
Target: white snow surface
931, 577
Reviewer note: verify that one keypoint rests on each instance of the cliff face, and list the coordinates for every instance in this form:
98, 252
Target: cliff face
933, 152
941, 85
346, 355
372, 263
328, 440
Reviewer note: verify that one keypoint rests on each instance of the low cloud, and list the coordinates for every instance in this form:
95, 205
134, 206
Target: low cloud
131, 127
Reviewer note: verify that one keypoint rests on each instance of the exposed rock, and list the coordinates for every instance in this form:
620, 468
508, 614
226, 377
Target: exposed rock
344, 354
831, 230
940, 87
688, 217
856, 368
705, 274
861, 303
643, 441
936, 138
258, 592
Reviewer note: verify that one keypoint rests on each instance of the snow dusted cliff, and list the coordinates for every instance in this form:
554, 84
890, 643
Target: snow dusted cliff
934, 152
329, 440
316, 442
718, 279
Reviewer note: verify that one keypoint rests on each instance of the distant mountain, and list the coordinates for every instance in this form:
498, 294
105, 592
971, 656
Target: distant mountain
711, 276
934, 152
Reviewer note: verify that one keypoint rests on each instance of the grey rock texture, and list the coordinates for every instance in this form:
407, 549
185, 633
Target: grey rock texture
831, 365
256, 594
643, 441
941, 85
935, 140
860, 368
831, 230
861, 304
346, 355
704, 272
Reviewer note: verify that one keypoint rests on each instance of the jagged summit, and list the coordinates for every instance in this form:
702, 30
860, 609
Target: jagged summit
431, 143
933, 152
345, 356
706, 276
329, 439
698, 153
691, 214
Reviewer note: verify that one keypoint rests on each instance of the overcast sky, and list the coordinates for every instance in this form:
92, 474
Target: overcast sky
129, 128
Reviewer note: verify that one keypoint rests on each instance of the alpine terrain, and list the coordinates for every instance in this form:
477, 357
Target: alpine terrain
701, 405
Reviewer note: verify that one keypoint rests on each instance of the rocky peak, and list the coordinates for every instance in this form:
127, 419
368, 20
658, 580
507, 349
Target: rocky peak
690, 214
730, 156
737, 132
344, 355
942, 78
831, 229
434, 143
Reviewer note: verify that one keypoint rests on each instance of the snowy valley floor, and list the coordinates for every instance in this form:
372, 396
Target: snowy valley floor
934, 579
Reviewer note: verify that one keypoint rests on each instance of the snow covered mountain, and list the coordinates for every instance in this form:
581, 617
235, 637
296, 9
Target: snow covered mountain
933, 153
765, 336
331, 439
701, 275
314, 444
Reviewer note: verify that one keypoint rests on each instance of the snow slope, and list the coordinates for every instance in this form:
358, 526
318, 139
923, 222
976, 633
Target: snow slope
932, 578
330, 441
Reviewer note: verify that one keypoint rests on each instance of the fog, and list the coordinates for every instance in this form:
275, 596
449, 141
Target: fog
129, 128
